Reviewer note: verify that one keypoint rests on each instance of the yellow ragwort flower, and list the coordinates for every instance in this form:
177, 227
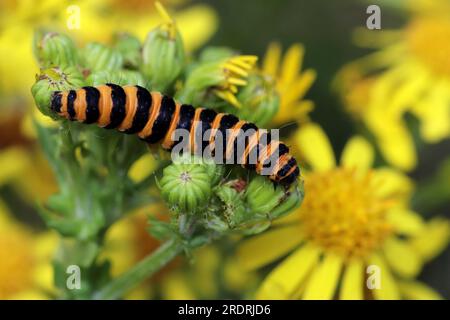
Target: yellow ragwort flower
25, 260
353, 216
234, 72
410, 73
290, 82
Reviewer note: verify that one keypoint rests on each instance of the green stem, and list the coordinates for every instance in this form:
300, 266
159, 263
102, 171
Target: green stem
145, 268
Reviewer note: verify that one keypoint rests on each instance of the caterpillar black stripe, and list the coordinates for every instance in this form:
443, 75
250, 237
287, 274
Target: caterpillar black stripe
154, 117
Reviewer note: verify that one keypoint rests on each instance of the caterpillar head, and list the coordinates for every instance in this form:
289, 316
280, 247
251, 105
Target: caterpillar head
49, 82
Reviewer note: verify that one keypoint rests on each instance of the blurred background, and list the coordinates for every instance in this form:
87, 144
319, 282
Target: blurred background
325, 29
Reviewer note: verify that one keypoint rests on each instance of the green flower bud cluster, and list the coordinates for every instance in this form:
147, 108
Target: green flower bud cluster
259, 99
223, 205
130, 48
55, 49
163, 56
99, 57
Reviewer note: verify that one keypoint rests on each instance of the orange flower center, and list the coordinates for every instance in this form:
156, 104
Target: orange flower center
428, 39
343, 213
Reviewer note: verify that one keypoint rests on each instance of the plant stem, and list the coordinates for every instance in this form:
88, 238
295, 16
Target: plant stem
146, 267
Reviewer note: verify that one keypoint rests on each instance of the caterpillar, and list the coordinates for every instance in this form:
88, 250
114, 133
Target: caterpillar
154, 117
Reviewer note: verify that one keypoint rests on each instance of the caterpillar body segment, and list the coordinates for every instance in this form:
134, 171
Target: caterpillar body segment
155, 117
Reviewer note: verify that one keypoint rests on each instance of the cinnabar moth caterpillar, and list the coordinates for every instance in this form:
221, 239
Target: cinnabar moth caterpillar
154, 117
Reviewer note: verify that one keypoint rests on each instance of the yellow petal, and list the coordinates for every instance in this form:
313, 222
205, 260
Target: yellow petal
143, 167
43, 276
415, 290
315, 147
434, 113
45, 245
12, 161
402, 258
31, 294
235, 278
358, 153
196, 24
175, 287
389, 289
296, 90
323, 282
396, 143
269, 246
405, 222
272, 59
291, 63
433, 239
392, 182
288, 276
353, 281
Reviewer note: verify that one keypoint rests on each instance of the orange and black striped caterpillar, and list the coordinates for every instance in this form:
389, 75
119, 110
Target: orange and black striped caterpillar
154, 117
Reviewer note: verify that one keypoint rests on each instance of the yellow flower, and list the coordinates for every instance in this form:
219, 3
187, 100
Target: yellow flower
353, 217
234, 72
25, 260
290, 82
410, 73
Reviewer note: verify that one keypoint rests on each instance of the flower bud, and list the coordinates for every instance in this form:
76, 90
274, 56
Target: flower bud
54, 49
291, 200
163, 53
233, 206
185, 187
54, 79
222, 77
262, 196
214, 171
259, 99
121, 77
98, 57
130, 48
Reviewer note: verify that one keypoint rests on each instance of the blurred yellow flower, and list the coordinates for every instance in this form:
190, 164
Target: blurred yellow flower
210, 275
25, 260
128, 241
409, 74
22, 165
353, 216
290, 82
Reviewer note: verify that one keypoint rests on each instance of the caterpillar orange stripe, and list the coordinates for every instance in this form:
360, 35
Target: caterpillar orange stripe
154, 117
